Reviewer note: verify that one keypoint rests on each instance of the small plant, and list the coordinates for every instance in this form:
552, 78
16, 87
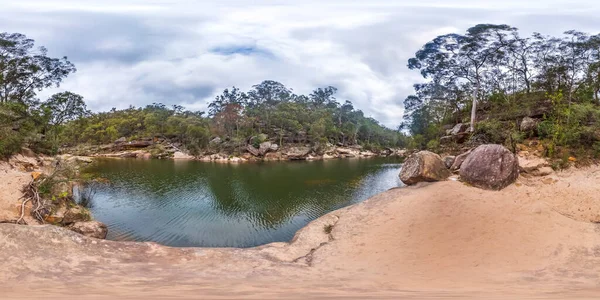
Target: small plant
328, 228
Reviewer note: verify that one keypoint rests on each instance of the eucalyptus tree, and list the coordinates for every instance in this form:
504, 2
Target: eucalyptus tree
25, 70
455, 59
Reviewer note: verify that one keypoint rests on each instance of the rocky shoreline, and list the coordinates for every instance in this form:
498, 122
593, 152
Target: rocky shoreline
264, 151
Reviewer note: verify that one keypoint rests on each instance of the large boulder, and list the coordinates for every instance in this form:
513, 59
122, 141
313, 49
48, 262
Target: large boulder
93, 229
458, 129
423, 166
491, 167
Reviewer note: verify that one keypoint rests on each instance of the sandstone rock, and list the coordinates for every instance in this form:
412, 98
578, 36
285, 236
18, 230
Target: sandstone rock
274, 147
490, 167
449, 161
121, 140
57, 216
236, 159
535, 166
93, 229
423, 166
328, 156
296, 153
83, 159
181, 155
252, 150
366, 154
529, 125
264, 148
347, 152
458, 128
75, 214
273, 156
215, 141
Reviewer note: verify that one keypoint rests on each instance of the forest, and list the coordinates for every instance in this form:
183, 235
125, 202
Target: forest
489, 77
269, 108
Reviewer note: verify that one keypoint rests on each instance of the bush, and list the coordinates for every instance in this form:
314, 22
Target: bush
10, 143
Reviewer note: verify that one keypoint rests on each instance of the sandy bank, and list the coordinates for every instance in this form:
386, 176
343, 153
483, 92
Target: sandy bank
533, 239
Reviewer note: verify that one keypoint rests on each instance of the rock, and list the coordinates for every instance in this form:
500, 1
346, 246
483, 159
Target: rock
529, 125
36, 175
273, 156
458, 128
459, 160
544, 171
490, 167
62, 189
296, 153
366, 154
121, 140
534, 166
215, 141
252, 150
83, 159
423, 166
264, 148
327, 156
236, 160
181, 155
348, 152
446, 140
57, 216
274, 147
93, 229
76, 214
449, 161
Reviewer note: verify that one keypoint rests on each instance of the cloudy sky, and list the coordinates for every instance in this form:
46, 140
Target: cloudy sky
135, 52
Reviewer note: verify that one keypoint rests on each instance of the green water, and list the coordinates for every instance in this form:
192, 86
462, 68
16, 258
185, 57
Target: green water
189, 203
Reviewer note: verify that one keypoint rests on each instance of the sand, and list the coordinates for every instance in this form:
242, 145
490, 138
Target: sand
534, 239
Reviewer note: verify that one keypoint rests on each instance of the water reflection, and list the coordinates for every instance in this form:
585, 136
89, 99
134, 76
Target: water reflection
182, 203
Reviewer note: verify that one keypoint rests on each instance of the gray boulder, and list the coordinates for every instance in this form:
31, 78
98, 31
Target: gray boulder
264, 148
491, 167
423, 166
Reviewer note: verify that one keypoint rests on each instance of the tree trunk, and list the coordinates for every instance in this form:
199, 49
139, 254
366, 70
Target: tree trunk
474, 109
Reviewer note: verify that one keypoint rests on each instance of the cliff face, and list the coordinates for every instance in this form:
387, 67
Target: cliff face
533, 238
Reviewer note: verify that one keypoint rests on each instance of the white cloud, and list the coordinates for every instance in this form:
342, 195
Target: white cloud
138, 51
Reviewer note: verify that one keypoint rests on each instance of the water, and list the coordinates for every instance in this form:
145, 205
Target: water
189, 203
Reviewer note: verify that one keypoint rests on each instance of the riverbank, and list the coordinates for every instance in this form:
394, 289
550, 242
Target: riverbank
535, 238
264, 151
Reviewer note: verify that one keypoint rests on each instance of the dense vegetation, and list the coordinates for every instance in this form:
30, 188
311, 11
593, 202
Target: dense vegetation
269, 108
494, 76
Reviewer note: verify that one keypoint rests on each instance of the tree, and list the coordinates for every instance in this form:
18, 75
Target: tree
64, 107
450, 58
25, 70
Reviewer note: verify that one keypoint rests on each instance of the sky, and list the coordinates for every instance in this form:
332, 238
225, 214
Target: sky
137, 52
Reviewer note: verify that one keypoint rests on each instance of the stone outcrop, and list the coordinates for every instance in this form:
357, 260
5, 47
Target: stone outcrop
423, 166
93, 229
181, 155
297, 153
490, 167
535, 166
